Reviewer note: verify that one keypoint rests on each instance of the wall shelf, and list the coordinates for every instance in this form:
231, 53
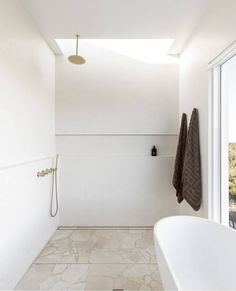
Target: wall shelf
117, 155
118, 134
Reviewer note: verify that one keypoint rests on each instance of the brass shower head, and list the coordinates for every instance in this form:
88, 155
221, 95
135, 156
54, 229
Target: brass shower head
76, 59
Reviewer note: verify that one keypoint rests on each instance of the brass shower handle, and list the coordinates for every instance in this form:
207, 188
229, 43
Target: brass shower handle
49, 171
41, 174
46, 172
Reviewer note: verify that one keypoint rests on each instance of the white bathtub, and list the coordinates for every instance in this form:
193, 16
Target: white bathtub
195, 254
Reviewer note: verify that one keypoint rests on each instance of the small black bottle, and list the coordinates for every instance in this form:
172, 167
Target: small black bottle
154, 151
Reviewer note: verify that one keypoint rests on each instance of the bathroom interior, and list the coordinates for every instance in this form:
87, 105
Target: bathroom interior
118, 144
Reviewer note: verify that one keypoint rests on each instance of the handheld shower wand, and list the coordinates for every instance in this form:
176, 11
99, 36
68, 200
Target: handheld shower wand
53, 213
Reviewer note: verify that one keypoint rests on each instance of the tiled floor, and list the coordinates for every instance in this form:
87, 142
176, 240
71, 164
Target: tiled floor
95, 259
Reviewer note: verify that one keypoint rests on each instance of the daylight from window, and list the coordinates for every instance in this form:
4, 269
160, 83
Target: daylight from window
152, 51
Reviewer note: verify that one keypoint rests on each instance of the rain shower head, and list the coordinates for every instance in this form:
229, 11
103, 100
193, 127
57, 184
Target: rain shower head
76, 59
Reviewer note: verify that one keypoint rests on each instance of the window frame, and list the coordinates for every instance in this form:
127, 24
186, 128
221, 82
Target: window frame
216, 123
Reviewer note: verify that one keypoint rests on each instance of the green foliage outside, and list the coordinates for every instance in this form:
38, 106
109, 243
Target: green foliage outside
232, 171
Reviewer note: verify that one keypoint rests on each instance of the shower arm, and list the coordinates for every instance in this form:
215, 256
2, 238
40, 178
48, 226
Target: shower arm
77, 44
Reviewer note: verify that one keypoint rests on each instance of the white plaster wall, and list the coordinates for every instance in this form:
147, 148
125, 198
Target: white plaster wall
27, 135
104, 111
27, 88
113, 180
215, 33
25, 222
115, 94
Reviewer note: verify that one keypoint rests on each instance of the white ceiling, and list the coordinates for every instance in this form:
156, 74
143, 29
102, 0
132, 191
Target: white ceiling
118, 18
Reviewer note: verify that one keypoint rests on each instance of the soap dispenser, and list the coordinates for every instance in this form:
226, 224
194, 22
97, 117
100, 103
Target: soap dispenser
154, 151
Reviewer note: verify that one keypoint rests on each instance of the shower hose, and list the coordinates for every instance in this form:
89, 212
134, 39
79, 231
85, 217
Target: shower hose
53, 212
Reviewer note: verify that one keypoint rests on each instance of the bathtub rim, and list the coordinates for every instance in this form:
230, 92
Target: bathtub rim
157, 241
160, 245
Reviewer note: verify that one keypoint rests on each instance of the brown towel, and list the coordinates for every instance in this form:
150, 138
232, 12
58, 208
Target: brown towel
192, 184
179, 160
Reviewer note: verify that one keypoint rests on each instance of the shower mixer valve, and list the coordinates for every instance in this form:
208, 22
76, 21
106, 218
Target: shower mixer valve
46, 172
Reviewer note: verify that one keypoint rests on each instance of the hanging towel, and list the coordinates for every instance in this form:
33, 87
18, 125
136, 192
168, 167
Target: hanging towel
192, 184
179, 159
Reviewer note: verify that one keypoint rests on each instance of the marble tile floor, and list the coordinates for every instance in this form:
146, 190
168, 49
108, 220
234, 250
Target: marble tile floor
95, 259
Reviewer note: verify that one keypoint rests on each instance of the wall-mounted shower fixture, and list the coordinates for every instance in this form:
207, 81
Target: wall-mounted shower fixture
52, 171
46, 172
76, 59
54, 190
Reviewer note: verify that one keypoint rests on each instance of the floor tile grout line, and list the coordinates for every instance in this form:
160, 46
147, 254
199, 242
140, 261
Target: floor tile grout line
95, 263
105, 228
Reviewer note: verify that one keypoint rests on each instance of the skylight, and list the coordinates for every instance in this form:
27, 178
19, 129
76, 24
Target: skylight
153, 51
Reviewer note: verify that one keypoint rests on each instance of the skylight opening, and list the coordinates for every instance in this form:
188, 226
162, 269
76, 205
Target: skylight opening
152, 51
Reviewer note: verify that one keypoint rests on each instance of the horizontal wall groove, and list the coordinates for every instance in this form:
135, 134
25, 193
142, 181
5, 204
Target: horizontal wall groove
25, 163
115, 155
120, 134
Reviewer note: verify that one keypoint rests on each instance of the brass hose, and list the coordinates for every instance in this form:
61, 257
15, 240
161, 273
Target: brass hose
54, 187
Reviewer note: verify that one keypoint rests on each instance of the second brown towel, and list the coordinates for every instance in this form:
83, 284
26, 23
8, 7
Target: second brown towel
179, 160
192, 183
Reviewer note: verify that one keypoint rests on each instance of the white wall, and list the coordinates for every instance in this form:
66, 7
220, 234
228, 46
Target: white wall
113, 180
103, 111
112, 93
27, 138
215, 33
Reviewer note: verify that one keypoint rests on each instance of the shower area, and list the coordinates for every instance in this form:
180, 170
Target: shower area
110, 112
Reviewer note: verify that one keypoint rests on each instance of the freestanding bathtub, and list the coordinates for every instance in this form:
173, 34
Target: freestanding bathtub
195, 254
